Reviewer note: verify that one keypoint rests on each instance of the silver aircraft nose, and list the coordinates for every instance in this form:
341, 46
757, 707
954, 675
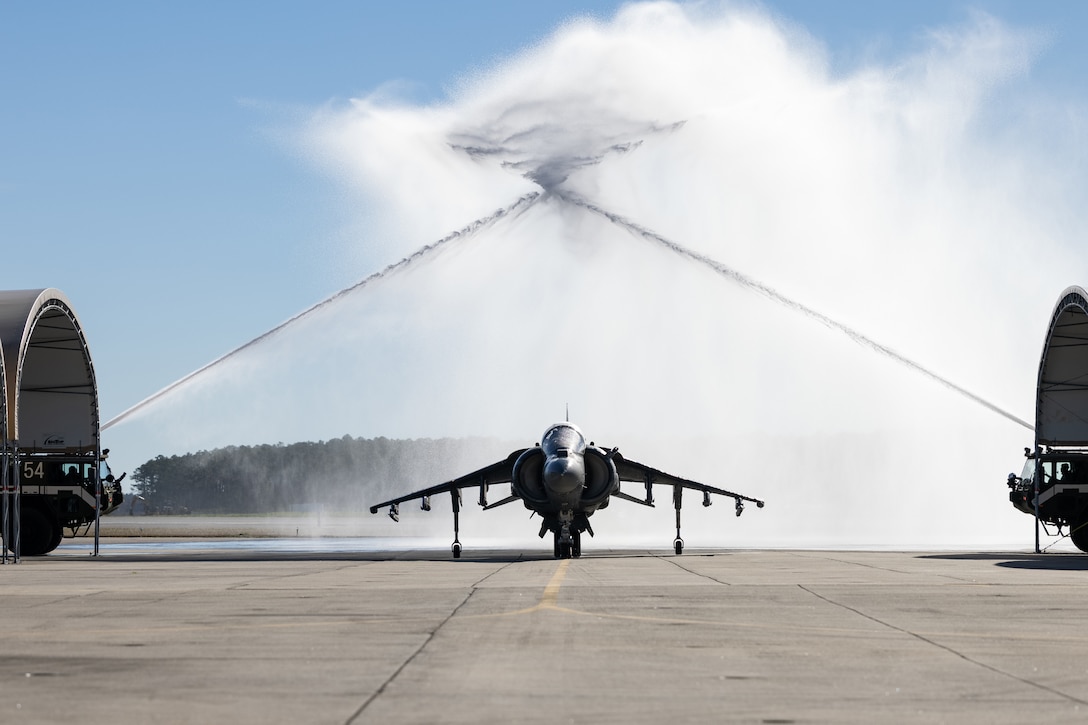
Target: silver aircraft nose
564, 473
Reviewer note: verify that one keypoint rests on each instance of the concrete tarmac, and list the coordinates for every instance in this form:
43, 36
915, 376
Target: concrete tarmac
154, 633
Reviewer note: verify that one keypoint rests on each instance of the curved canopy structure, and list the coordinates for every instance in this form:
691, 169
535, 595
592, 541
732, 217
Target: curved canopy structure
3, 411
1061, 408
50, 399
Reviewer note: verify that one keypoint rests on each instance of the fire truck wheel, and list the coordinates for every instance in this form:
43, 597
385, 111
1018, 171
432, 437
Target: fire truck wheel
36, 533
1078, 532
58, 536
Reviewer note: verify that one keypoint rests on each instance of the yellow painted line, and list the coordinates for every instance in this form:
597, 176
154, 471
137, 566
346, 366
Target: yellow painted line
551, 591
547, 600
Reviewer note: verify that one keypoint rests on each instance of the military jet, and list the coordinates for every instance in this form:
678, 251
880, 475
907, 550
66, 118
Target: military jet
565, 481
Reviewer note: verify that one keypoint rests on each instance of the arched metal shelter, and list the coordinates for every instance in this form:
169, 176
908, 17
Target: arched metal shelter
50, 394
1061, 408
7, 480
48, 402
1053, 486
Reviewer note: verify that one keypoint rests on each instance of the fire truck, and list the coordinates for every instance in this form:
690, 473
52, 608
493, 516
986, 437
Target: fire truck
53, 474
1053, 485
58, 492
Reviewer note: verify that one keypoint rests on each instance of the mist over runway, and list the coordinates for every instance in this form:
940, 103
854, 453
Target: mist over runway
889, 199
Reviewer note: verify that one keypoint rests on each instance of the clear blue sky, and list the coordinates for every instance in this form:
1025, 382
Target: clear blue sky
144, 172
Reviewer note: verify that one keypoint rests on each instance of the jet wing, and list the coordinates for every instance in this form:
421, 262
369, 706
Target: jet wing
499, 472
634, 471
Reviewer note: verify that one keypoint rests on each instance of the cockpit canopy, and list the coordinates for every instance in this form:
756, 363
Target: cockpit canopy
563, 437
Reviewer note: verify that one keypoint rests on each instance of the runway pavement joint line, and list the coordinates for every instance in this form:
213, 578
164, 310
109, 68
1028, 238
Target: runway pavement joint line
266, 583
677, 564
873, 566
946, 648
422, 646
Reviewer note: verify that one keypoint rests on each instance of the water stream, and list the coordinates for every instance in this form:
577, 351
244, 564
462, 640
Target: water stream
891, 204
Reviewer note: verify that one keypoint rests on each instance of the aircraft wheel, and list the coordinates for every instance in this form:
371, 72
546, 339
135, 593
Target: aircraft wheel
576, 545
564, 550
678, 546
456, 550
1079, 535
556, 548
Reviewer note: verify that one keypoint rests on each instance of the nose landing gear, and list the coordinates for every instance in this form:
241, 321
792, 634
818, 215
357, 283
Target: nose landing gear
568, 545
568, 537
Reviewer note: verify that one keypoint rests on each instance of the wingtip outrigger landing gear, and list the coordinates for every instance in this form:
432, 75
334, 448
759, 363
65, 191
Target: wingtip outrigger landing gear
677, 499
456, 548
677, 496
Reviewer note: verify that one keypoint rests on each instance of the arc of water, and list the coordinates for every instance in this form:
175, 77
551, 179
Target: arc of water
518, 206
776, 296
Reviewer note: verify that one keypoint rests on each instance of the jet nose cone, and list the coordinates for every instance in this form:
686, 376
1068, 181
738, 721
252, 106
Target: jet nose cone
564, 475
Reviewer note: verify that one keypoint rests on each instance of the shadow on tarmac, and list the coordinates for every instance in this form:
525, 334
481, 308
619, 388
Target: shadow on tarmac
287, 556
1049, 562
272, 551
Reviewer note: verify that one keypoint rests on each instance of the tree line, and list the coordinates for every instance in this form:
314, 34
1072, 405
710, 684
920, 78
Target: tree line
342, 474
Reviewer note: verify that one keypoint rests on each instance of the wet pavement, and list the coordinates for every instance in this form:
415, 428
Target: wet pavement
373, 631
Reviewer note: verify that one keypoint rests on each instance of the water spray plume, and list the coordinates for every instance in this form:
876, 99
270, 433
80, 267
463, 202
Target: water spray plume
890, 199
416, 256
781, 299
